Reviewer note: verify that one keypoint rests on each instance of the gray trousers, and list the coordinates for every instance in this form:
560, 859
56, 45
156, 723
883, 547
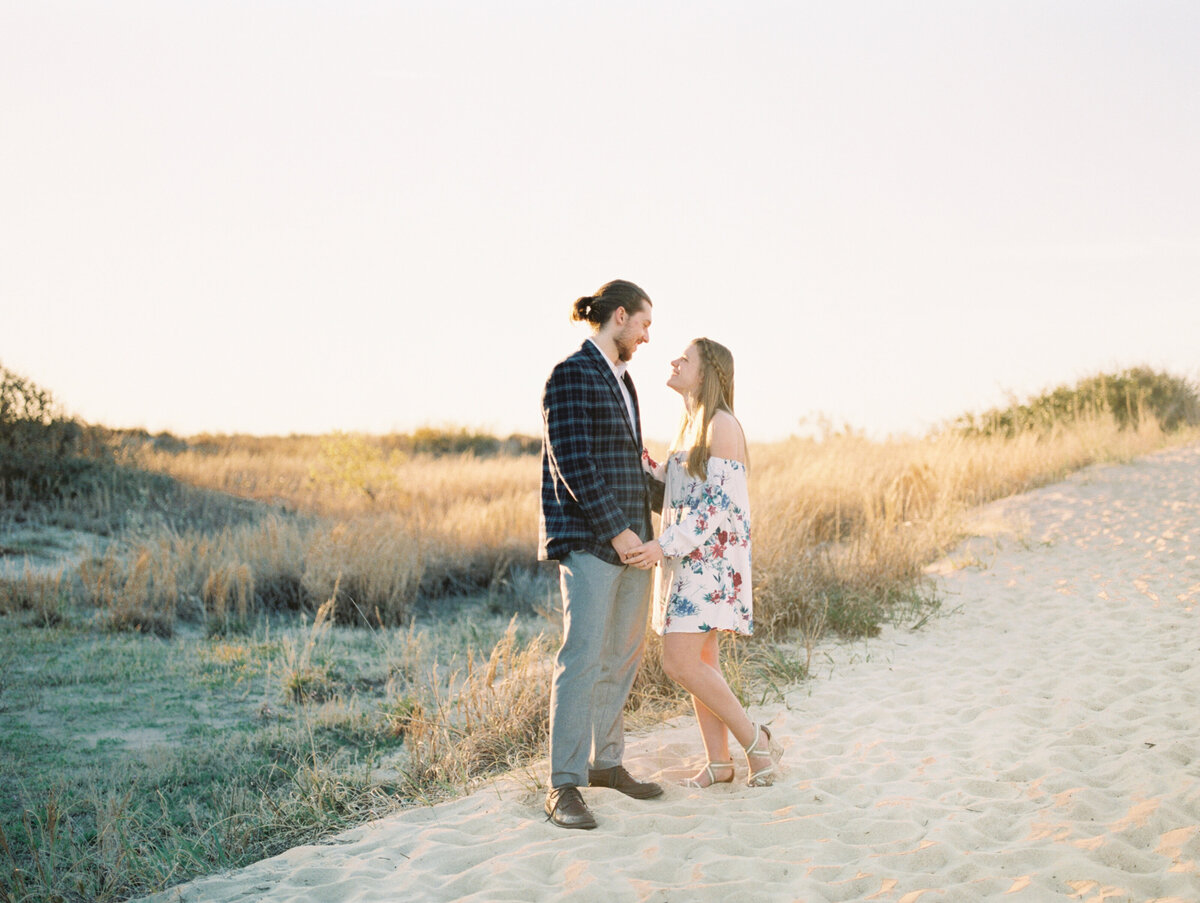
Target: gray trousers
605, 607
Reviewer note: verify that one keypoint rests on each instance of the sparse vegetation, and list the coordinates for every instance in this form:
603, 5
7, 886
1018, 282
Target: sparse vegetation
274, 638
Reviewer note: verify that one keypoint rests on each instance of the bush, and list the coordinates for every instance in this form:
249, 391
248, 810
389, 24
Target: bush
43, 454
1128, 395
449, 441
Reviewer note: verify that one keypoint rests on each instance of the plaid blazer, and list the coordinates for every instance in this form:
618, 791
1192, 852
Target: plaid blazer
593, 485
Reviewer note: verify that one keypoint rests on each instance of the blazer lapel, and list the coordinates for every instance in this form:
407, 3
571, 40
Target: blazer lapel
610, 379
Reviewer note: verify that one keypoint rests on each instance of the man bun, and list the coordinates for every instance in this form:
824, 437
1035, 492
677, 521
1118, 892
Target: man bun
582, 309
596, 309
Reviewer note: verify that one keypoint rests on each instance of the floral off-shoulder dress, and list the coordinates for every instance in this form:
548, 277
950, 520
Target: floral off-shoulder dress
704, 578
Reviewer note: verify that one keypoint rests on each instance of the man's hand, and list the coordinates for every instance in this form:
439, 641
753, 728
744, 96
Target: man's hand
644, 556
625, 542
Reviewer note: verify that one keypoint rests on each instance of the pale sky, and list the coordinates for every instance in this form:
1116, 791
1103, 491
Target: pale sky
302, 217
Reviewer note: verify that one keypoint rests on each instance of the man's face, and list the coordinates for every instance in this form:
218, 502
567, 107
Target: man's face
635, 331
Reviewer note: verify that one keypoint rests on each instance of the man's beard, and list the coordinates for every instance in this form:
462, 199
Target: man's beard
625, 346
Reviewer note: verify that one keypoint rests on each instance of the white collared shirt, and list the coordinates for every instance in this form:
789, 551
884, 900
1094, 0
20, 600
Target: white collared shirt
618, 370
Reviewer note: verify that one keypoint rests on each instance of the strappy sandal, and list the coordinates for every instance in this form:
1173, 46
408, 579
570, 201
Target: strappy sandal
764, 777
712, 778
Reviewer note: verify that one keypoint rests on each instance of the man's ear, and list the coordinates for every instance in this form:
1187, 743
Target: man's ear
620, 315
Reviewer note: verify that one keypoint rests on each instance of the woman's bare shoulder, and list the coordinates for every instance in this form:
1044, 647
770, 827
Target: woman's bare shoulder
725, 437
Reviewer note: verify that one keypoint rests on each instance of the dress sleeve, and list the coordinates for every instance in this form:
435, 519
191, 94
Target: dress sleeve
705, 517
652, 467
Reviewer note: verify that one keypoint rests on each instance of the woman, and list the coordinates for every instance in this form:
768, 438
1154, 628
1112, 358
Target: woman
704, 581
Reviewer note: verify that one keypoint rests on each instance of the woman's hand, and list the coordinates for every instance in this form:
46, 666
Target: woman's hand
652, 467
645, 556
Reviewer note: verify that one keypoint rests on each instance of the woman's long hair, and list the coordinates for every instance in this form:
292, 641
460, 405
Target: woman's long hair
715, 394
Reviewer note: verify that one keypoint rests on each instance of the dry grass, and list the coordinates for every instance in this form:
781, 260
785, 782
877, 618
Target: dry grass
490, 718
454, 520
373, 566
344, 476
844, 525
42, 595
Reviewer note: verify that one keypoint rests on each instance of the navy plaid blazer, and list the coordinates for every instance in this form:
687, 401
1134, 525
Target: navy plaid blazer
593, 485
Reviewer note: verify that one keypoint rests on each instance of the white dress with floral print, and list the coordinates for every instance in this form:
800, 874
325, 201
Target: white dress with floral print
704, 578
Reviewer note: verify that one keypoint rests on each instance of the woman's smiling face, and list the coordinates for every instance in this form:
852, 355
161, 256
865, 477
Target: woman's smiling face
685, 372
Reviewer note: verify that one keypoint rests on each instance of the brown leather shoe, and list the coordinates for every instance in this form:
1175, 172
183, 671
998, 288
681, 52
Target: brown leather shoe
619, 779
566, 808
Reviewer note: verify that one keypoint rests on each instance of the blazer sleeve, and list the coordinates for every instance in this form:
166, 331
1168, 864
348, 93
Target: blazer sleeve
568, 428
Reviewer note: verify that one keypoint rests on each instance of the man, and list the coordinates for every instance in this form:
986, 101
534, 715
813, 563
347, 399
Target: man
596, 503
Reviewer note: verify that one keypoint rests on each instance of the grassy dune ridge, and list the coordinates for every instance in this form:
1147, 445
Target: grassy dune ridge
270, 639
841, 523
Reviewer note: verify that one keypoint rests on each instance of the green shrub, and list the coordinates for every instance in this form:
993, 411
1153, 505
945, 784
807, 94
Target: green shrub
1129, 395
43, 453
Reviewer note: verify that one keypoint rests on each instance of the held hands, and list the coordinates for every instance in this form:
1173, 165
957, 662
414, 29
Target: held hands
634, 552
644, 556
625, 542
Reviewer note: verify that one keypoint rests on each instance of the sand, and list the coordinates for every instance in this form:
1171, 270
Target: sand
1036, 741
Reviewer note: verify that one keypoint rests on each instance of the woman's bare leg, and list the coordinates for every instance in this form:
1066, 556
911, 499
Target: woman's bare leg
689, 663
713, 731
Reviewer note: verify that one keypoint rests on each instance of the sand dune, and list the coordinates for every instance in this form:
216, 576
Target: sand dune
1038, 741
